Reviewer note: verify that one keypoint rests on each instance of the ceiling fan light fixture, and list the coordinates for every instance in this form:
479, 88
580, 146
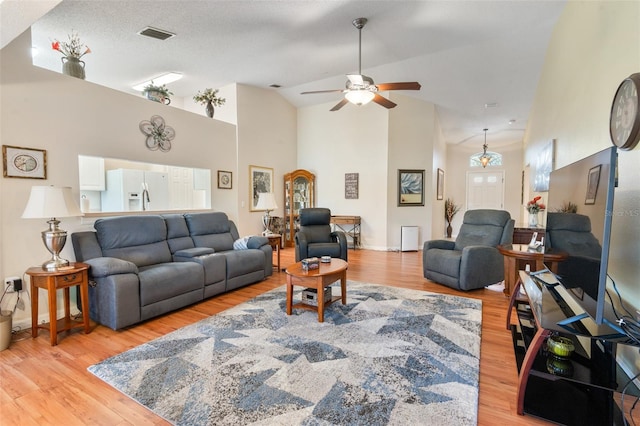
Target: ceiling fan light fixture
359, 97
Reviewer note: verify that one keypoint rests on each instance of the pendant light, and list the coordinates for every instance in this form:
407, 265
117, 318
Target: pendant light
484, 159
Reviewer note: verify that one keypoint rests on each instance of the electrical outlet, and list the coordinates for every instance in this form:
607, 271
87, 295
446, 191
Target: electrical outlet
10, 282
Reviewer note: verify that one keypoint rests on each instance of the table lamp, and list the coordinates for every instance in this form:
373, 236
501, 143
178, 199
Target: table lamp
267, 202
52, 202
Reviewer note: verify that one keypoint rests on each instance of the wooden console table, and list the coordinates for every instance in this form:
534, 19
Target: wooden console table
579, 389
352, 225
522, 235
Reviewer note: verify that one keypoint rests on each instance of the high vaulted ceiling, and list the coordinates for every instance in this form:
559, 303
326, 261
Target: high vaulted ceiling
465, 54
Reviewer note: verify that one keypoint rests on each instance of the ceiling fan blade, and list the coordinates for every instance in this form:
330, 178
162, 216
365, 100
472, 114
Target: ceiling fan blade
409, 85
380, 100
339, 105
323, 91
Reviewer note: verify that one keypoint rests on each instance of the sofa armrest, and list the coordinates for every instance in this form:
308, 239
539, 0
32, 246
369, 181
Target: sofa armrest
301, 246
257, 241
439, 244
105, 266
340, 238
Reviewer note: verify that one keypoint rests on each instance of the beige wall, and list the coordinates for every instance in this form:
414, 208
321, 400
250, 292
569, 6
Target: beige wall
266, 138
67, 117
456, 178
374, 142
595, 46
353, 140
412, 131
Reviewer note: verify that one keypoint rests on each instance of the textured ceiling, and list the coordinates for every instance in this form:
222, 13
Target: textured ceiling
464, 53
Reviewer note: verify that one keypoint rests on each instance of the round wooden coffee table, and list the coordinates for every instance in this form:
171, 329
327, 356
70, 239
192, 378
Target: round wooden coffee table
327, 274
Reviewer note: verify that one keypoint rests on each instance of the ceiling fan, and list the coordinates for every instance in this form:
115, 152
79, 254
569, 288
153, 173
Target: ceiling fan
360, 89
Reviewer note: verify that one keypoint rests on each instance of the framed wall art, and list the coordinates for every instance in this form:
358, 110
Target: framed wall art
351, 186
544, 166
260, 180
410, 188
225, 179
592, 184
28, 163
440, 186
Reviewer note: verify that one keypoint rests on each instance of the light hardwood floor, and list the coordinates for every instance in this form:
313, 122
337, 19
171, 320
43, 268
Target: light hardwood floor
45, 385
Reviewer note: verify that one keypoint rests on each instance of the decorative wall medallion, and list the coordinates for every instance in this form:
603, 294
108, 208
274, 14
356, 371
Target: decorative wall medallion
159, 136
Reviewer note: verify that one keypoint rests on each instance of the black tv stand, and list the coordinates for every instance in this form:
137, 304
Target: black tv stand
576, 391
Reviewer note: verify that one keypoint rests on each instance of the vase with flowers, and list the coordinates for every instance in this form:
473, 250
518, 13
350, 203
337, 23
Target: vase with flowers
450, 210
157, 93
209, 98
72, 51
534, 207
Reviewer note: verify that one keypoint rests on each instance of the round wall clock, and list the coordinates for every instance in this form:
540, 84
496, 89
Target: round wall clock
624, 123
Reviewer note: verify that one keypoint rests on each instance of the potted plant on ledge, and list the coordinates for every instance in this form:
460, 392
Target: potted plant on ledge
209, 98
450, 210
157, 93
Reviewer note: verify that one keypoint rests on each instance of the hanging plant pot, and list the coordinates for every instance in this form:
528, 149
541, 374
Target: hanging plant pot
157, 96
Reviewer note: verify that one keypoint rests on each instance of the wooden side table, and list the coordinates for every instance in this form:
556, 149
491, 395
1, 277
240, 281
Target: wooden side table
275, 241
519, 255
76, 274
325, 275
516, 255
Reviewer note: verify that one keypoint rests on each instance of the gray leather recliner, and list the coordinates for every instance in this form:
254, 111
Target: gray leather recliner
472, 261
571, 233
315, 238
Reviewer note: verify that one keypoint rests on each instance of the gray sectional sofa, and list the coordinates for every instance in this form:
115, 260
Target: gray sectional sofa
145, 266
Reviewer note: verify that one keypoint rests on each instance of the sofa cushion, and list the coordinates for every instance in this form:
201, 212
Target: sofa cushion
167, 280
138, 239
178, 236
324, 249
194, 252
210, 230
482, 227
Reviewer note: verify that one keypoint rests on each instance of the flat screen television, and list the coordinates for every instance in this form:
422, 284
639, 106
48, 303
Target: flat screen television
585, 235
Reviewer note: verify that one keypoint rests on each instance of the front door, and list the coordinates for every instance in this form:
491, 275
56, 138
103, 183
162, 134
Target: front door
485, 190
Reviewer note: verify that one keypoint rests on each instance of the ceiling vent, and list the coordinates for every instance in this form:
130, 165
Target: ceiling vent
156, 33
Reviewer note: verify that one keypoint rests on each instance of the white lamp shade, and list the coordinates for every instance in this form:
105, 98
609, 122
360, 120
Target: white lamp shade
50, 202
359, 97
266, 201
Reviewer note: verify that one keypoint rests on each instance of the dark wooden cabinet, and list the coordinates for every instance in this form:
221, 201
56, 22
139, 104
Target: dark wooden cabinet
299, 193
522, 235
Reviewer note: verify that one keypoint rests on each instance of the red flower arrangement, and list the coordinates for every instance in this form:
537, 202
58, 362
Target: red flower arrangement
72, 48
534, 206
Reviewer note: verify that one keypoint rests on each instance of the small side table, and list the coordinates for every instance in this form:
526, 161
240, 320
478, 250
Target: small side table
76, 274
517, 256
275, 240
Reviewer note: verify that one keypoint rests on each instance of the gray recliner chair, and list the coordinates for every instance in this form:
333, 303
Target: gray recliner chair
315, 238
571, 233
472, 261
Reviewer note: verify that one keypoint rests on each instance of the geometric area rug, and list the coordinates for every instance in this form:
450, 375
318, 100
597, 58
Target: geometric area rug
391, 356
